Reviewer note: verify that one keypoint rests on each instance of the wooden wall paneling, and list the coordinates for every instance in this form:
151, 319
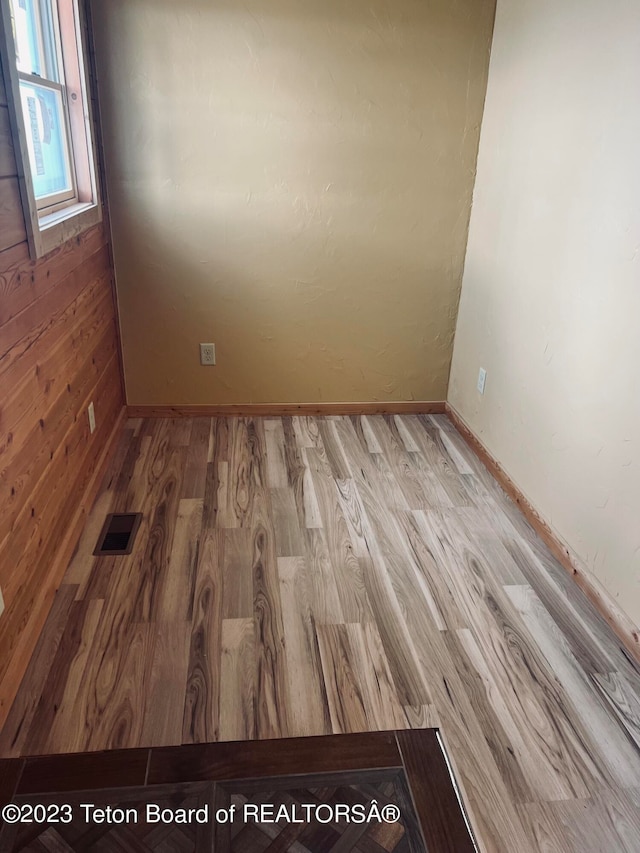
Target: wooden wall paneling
22, 281
35, 430
7, 158
41, 405
59, 350
44, 315
12, 228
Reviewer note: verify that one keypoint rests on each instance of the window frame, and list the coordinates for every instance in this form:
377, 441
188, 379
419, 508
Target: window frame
60, 219
64, 198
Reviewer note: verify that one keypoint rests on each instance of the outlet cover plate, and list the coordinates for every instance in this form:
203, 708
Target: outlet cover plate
482, 378
207, 354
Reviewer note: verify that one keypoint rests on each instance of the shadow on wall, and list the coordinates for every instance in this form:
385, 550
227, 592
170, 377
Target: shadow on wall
281, 335
292, 183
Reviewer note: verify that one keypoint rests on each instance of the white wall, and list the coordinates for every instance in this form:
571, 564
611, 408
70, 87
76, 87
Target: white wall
550, 301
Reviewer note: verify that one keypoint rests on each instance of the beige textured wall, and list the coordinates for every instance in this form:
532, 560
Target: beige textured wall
290, 179
550, 300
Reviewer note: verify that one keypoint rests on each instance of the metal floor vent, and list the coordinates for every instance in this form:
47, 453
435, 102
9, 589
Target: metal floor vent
118, 534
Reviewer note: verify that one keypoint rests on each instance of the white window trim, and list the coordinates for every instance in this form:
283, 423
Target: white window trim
47, 232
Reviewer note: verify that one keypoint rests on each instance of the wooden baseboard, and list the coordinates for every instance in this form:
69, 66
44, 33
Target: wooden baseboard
10, 684
422, 407
624, 628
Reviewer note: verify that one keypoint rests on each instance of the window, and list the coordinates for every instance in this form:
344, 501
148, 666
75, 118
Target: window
53, 128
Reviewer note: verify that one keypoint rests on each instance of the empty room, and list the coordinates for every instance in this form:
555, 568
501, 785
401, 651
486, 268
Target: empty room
319, 426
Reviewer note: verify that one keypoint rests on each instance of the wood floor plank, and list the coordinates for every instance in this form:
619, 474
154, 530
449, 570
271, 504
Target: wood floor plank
177, 591
277, 477
16, 729
274, 705
70, 714
304, 575
342, 682
401, 474
448, 485
306, 431
545, 828
395, 496
540, 750
341, 553
350, 506
590, 638
609, 740
409, 444
120, 693
517, 673
181, 433
421, 716
202, 701
368, 433
288, 536
502, 827
167, 685
236, 560
153, 566
623, 701
51, 700
443, 608
333, 449
379, 694
487, 796
587, 825
396, 639
309, 713
299, 478
500, 745
325, 598
194, 479
237, 711
622, 808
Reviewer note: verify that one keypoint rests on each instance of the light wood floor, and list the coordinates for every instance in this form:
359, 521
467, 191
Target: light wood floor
302, 576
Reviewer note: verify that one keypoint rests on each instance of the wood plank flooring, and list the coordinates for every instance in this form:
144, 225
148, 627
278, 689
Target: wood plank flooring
315, 575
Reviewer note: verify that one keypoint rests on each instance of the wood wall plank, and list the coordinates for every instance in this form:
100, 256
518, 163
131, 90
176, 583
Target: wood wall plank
12, 228
58, 351
22, 282
7, 157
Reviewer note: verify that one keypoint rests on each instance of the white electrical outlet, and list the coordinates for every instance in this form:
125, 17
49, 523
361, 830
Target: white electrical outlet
92, 418
207, 353
482, 378
1, 603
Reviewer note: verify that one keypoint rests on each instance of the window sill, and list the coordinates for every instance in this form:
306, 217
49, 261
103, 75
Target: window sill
52, 219
57, 228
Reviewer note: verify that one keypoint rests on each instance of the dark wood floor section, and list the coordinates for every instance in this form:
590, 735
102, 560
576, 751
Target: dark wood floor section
248, 798
302, 576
